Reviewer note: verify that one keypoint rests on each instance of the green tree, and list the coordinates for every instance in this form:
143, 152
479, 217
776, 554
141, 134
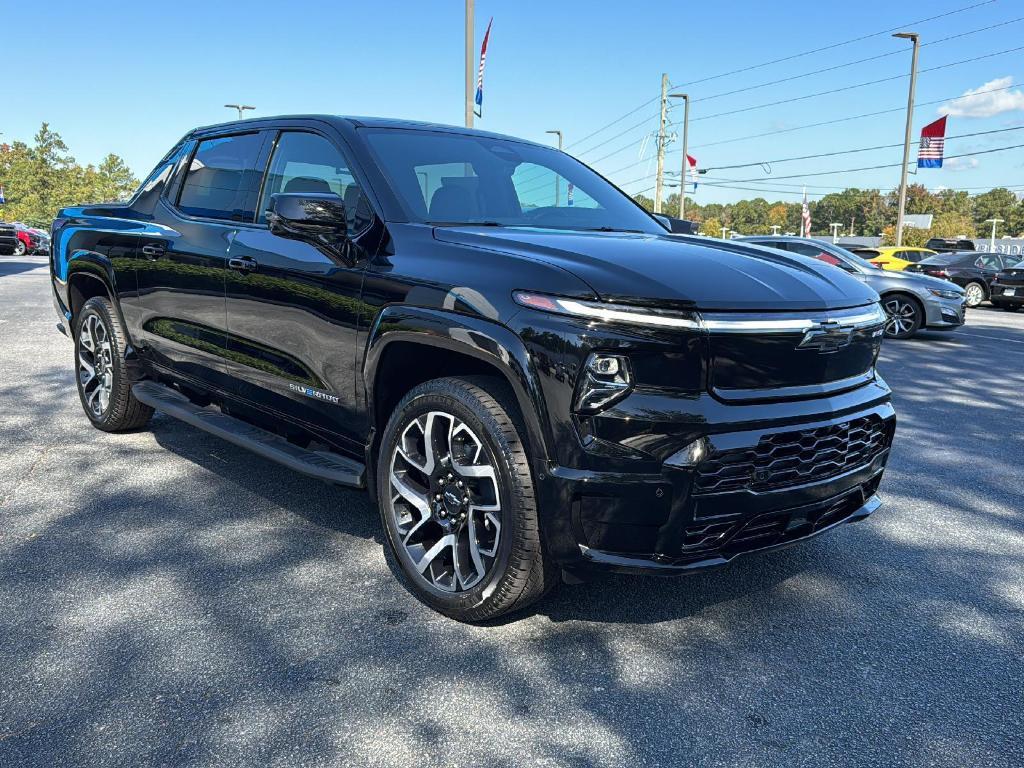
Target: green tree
997, 203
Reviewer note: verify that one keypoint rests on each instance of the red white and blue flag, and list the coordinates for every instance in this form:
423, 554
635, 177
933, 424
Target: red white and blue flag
805, 217
2, 198
479, 100
691, 161
933, 141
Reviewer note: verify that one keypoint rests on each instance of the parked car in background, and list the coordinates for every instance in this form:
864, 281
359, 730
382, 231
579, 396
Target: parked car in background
1007, 288
949, 244
525, 390
893, 258
912, 302
8, 239
971, 270
30, 240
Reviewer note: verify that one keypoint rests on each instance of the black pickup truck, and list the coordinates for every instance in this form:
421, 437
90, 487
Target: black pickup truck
531, 377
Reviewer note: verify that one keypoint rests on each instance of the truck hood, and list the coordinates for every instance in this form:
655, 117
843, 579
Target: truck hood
690, 272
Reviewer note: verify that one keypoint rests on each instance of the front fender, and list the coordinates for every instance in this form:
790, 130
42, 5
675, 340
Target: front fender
482, 339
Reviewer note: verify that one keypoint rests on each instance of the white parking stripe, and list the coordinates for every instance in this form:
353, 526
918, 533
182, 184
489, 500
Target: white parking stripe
996, 338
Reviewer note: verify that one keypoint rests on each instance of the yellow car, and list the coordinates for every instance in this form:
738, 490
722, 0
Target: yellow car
892, 258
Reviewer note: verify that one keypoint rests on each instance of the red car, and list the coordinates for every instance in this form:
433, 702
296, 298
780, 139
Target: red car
30, 240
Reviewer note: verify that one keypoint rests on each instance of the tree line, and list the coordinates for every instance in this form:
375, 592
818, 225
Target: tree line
40, 178
862, 212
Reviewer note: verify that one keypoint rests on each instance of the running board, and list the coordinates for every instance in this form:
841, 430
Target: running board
323, 465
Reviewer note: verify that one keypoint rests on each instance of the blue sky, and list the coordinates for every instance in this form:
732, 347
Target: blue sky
132, 77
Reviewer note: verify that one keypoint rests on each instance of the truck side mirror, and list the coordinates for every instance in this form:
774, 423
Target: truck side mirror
316, 216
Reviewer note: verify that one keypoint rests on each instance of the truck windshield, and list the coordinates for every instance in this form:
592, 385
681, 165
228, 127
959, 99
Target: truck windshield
460, 179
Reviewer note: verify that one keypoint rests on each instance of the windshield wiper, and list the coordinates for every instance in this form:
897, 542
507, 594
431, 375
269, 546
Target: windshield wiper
612, 229
466, 224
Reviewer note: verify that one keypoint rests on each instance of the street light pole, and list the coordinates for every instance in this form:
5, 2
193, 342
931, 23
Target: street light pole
913, 37
725, 231
686, 159
557, 192
659, 182
835, 232
469, 63
992, 240
775, 229
240, 107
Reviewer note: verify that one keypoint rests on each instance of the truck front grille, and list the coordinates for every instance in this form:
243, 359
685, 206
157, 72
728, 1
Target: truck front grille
785, 459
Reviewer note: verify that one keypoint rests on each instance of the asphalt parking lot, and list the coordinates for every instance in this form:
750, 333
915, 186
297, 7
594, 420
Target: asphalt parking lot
166, 599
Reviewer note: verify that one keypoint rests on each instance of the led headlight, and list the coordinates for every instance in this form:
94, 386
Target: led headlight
944, 294
606, 312
604, 380
691, 455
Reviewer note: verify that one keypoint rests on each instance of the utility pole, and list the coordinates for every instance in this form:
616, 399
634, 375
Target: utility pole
992, 240
469, 63
557, 191
686, 158
240, 107
660, 182
913, 37
835, 232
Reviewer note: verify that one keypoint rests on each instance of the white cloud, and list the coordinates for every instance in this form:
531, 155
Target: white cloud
961, 163
976, 103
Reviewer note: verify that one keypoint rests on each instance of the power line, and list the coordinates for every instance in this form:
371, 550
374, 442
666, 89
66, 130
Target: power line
613, 122
854, 86
837, 45
878, 167
847, 118
852, 151
858, 61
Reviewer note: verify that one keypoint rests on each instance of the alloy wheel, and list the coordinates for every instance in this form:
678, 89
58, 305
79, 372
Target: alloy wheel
445, 501
95, 365
19, 248
975, 294
902, 317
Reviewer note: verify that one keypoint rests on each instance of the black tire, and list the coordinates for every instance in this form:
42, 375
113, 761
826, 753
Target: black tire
519, 573
121, 412
976, 293
906, 315
19, 248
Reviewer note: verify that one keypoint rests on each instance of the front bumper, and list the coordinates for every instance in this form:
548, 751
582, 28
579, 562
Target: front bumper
945, 314
677, 521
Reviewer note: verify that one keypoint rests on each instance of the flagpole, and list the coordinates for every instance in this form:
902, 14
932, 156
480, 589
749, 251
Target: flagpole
469, 63
912, 36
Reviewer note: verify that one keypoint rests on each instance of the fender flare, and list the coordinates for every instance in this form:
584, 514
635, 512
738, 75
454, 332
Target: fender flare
93, 266
479, 338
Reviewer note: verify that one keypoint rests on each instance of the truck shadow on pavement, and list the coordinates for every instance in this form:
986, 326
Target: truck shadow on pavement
175, 600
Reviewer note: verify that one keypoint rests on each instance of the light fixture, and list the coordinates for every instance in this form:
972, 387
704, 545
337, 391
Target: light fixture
691, 455
605, 379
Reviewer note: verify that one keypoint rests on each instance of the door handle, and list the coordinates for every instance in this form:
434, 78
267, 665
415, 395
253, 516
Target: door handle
246, 264
153, 252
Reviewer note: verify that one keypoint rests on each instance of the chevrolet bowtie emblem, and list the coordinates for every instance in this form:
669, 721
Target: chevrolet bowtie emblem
828, 336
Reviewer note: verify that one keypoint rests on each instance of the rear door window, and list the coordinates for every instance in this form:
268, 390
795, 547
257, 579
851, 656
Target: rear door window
220, 177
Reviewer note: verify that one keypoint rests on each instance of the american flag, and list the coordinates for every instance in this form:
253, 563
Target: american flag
805, 218
479, 100
933, 141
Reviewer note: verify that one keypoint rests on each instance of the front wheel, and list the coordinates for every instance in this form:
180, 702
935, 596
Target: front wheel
19, 248
905, 316
457, 500
975, 294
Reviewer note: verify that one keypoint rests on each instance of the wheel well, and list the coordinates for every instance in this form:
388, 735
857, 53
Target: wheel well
980, 283
912, 297
405, 364
81, 287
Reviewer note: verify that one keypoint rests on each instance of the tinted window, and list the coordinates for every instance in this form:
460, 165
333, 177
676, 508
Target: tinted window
306, 162
989, 261
449, 178
220, 178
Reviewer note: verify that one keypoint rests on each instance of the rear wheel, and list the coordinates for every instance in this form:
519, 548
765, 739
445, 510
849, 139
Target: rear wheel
457, 500
905, 316
103, 384
19, 248
975, 294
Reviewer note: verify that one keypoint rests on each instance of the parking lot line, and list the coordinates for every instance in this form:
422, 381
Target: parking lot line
996, 338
